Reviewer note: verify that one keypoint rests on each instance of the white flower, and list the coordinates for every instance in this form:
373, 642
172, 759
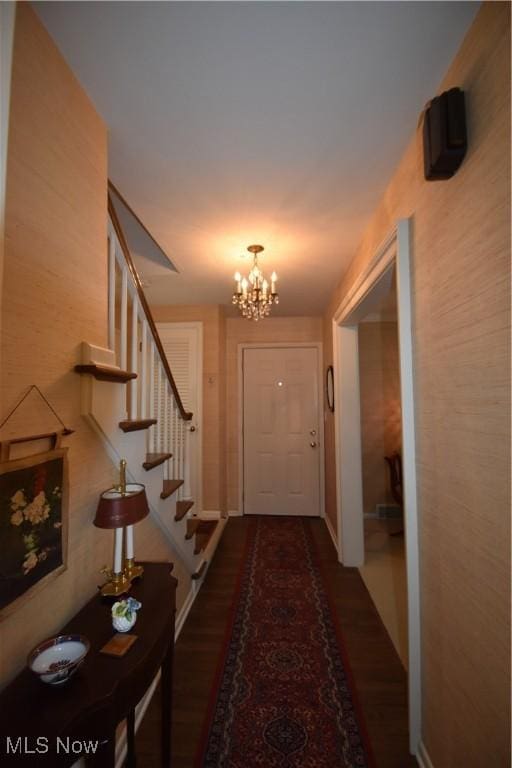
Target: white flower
38, 509
17, 517
18, 501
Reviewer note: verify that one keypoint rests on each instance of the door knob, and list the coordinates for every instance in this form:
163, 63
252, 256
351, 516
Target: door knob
313, 432
192, 428
313, 444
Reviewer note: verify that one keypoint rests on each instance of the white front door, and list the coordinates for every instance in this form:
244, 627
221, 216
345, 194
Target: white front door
281, 428
183, 347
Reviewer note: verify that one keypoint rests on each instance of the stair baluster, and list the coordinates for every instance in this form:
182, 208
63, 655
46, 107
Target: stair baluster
187, 492
111, 291
134, 358
180, 444
172, 424
123, 358
152, 409
158, 397
144, 369
167, 446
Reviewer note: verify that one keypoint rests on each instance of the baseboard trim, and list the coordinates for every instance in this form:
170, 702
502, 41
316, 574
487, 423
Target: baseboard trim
235, 513
331, 532
210, 514
423, 757
185, 609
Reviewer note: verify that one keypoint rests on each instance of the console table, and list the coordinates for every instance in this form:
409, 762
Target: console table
104, 690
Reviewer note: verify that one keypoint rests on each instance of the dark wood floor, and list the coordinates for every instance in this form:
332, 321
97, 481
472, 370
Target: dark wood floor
380, 679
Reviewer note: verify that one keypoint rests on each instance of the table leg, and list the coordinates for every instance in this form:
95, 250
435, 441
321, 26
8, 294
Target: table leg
131, 759
166, 690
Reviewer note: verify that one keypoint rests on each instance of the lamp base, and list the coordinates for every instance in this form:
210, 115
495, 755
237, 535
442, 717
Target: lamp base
132, 571
118, 584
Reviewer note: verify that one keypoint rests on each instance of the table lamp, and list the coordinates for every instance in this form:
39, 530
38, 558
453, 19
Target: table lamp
121, 507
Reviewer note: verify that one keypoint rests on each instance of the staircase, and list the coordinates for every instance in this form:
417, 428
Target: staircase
131, 400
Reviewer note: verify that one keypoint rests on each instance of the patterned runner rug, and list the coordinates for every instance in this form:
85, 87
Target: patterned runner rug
282, 697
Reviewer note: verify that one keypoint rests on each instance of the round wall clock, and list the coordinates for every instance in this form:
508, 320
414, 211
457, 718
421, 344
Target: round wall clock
329, 387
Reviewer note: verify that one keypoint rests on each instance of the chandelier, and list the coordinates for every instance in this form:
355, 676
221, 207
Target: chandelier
253, 295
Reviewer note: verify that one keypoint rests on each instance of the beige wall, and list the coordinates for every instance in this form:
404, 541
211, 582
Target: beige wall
331, 511
54, 297
223, 408
461, 324
213, 427
379, 381
239, 331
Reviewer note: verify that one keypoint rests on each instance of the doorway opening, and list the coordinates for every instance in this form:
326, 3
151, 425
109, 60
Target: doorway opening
369, 292
384, 567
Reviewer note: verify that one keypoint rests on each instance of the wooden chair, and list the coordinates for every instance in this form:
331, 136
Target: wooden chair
394, 463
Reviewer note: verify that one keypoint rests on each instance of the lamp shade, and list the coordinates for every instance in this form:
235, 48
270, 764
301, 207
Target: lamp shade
116, 509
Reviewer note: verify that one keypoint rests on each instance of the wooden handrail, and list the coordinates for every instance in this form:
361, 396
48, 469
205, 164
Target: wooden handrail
186, 415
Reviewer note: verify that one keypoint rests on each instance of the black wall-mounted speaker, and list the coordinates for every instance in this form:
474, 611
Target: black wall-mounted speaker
444, 135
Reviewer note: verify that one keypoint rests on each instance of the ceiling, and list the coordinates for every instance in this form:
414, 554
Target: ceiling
271, 122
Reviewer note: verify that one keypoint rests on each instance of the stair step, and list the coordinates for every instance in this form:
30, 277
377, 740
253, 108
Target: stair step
199, 573
106, 373
192, 526
169, 487
136, 424
204, 532
155, 459
182, 507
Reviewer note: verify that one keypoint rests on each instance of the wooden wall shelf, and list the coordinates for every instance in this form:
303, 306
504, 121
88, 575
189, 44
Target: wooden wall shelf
105, 373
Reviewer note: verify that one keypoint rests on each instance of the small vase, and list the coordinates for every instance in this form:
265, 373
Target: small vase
124, 614
122, 624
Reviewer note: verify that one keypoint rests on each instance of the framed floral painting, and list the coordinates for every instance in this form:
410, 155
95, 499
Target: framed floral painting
33, 523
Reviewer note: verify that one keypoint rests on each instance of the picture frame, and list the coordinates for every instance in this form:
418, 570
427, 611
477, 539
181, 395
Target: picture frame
33, 524
329, 387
